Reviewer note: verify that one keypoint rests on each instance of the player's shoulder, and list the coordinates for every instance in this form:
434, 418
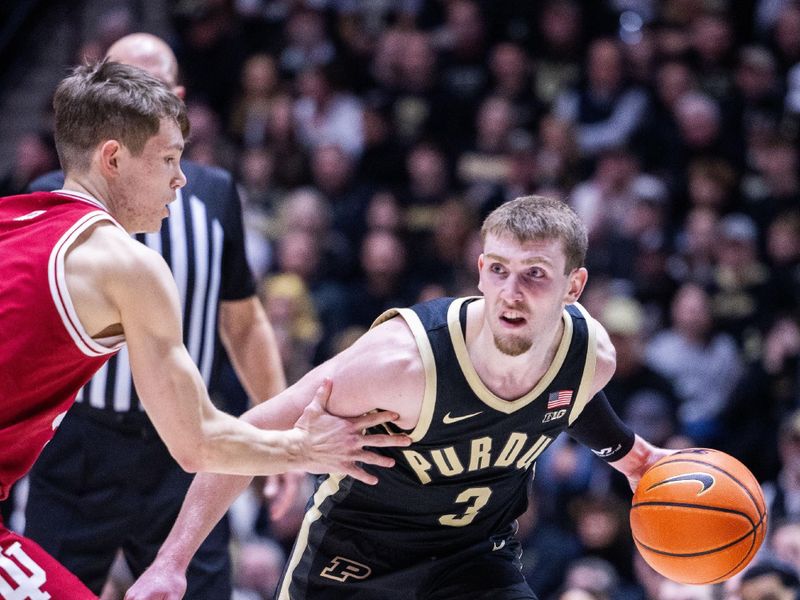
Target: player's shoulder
386, 349
385, 358
393, 327
430, 314
109, 248
605, 352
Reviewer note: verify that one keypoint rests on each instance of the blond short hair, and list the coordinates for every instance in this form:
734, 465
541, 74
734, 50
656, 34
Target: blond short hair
533, 218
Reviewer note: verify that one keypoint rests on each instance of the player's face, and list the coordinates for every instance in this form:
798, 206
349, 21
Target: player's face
525, 289
149, 181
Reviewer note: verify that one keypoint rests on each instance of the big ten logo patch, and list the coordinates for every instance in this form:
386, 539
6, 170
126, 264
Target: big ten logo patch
342, 569
20, 577
553, 415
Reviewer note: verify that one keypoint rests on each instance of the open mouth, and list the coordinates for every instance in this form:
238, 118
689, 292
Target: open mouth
513, 319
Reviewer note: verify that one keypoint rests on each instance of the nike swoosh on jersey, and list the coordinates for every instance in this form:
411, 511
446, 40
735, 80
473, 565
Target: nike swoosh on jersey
447, 419
30, 215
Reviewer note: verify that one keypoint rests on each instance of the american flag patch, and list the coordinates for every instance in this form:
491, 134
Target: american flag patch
558, 399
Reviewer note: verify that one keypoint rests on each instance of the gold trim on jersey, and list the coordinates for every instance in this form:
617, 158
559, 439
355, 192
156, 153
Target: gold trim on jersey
474, 380
584, 393
428, 362
328, 488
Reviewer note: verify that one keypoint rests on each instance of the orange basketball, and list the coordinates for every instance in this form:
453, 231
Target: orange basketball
698, 516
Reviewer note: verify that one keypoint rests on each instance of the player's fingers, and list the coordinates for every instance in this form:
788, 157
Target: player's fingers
371, 458
360, 474
375, 418
382, 440
323, 393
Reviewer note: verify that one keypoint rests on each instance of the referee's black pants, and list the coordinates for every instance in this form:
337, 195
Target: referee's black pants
107, 482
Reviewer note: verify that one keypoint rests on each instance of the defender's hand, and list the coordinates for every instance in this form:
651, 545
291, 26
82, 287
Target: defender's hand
334, 444
158, 582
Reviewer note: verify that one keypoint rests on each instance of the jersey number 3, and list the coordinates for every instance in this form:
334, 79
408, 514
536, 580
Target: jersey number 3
475, 499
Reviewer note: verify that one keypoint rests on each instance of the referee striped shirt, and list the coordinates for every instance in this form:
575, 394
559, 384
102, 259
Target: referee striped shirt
202, 241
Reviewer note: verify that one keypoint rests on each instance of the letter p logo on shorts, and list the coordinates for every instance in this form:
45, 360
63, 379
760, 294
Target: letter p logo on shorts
342, 569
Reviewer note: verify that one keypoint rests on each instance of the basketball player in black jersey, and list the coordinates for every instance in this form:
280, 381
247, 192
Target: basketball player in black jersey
482, 386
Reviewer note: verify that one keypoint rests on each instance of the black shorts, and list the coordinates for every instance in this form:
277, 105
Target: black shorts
330, 562
105, 483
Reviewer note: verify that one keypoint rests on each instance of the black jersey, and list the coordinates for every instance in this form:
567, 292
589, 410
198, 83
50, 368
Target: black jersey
465, 476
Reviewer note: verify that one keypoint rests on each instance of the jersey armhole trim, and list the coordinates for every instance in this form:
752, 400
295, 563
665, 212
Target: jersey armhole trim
428, 362
585, 387
56, 275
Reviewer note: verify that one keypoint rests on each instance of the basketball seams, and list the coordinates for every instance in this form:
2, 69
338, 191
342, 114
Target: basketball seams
760, 510
753, 524
732, 571
702, 553
734, 554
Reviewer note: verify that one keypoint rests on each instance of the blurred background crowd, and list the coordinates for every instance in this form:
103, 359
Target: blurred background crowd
369, 139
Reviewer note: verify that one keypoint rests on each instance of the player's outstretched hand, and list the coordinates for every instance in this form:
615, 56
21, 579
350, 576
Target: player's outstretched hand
334, 444
158, 582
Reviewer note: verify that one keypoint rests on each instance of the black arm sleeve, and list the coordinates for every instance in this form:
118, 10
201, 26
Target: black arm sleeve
600, 429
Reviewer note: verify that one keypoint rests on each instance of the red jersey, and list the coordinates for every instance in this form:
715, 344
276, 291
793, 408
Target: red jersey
46, 356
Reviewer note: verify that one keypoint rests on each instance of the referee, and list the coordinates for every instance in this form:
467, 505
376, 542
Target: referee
106, 482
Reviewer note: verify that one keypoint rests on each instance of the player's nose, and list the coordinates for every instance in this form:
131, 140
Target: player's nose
511, 289
180, 179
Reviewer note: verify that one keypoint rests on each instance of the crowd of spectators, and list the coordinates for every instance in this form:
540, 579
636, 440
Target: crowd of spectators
370, 137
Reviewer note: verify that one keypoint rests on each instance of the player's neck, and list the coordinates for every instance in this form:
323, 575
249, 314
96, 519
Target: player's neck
85, 185
511, 377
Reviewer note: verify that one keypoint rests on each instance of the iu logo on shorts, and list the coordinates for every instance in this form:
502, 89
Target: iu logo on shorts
20, 577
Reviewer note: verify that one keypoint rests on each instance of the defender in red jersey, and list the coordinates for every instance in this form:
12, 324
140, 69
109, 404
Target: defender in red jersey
37, 322
76, 285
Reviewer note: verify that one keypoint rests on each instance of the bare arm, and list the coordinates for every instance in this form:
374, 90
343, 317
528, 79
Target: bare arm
250, 342
642, 454
385, 354
118, 286
208, 499
198, 435
606, 359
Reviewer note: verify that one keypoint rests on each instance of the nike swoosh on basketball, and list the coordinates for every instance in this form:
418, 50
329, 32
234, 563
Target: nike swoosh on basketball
447, 419
704, 479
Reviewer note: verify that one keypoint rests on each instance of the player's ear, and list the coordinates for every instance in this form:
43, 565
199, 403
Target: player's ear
179, 91
577, 281
109, 156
